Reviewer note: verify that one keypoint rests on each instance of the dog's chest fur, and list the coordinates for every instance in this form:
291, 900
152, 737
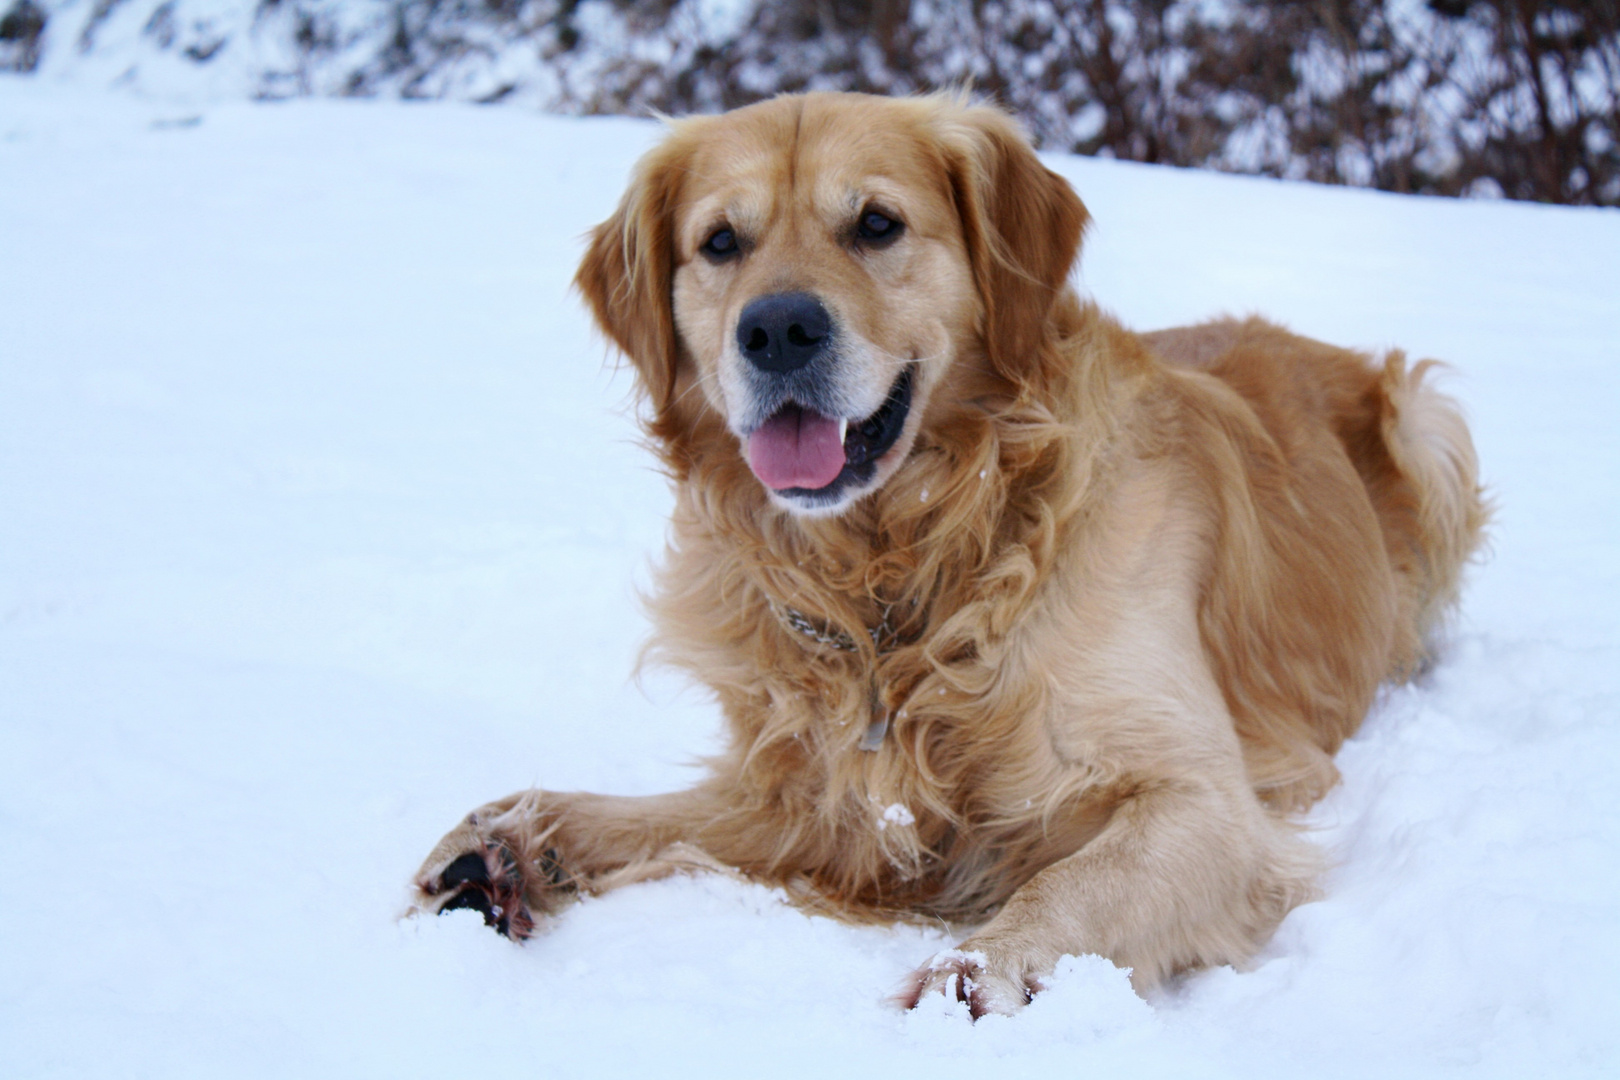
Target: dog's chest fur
938, 815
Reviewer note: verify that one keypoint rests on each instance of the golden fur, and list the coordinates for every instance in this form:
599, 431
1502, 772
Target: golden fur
1135, 590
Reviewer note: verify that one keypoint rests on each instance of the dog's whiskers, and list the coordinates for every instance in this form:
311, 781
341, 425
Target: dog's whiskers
696, 385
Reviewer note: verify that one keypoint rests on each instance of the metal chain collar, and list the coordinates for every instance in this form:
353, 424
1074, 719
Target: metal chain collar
884, 638
883, 634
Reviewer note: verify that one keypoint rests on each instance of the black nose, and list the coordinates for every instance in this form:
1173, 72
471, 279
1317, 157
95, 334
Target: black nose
783, 332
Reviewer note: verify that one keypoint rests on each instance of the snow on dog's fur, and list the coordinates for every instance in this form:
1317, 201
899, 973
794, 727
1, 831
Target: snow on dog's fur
1064, 620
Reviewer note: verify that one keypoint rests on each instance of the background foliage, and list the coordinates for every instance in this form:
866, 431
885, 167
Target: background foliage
1450, 97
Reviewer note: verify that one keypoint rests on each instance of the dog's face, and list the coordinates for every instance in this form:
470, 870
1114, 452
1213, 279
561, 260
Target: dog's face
811, 269
821, 286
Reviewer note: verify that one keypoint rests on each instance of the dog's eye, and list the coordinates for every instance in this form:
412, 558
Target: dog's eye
878, 227
721, 244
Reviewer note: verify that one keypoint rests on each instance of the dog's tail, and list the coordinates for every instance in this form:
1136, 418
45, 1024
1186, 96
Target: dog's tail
1432, 508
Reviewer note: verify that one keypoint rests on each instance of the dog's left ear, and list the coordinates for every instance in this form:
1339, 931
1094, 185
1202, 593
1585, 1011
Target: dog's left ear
1022, 223
627, 272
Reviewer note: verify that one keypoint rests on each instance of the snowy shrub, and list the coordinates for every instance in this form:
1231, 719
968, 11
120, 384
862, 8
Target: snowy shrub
20, 30
1486, 97
1513, 97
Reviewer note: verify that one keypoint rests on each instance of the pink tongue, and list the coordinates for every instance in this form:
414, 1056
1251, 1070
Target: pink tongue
796, 448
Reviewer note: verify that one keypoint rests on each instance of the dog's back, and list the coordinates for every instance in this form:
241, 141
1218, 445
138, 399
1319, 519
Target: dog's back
1410, 449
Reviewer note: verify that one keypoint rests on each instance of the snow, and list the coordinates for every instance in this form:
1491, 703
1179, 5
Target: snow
896, 814
322, 520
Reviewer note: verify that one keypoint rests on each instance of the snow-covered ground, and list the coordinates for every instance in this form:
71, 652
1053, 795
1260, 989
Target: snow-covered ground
320, 523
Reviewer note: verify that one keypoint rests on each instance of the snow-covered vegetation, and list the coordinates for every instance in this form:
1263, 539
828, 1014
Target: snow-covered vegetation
320, 518
1487, 97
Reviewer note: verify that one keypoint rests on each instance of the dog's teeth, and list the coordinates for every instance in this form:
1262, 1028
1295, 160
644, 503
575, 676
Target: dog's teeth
843, 428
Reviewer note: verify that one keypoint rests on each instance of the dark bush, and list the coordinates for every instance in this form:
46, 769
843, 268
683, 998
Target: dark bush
1519, 98
20, 31
1512, 97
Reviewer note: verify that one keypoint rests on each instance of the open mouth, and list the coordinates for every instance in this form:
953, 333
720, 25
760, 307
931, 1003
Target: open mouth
800, 452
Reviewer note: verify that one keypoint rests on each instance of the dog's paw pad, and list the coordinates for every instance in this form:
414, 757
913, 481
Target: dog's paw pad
491, 883
469, 868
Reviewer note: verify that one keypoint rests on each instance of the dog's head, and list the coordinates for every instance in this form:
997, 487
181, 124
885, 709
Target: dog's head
812, 268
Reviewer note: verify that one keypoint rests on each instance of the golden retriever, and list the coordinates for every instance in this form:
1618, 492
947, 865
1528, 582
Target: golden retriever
1016, 617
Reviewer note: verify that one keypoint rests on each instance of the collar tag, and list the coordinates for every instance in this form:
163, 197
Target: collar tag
883, 639
872, 740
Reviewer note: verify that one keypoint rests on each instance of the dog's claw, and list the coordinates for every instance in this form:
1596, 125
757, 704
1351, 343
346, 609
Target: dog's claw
966, 977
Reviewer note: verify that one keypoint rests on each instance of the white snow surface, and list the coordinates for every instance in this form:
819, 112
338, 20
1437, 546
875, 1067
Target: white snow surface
321, 518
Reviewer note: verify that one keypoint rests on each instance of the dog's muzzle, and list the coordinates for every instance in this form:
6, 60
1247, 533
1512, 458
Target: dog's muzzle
805, 445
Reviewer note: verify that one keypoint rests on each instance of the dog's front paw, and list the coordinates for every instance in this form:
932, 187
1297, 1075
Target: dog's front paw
987, 982
478, 865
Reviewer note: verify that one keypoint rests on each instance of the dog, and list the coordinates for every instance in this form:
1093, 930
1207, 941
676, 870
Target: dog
1017, 619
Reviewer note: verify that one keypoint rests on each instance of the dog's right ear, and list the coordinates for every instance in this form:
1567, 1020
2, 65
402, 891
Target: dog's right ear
628, 269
